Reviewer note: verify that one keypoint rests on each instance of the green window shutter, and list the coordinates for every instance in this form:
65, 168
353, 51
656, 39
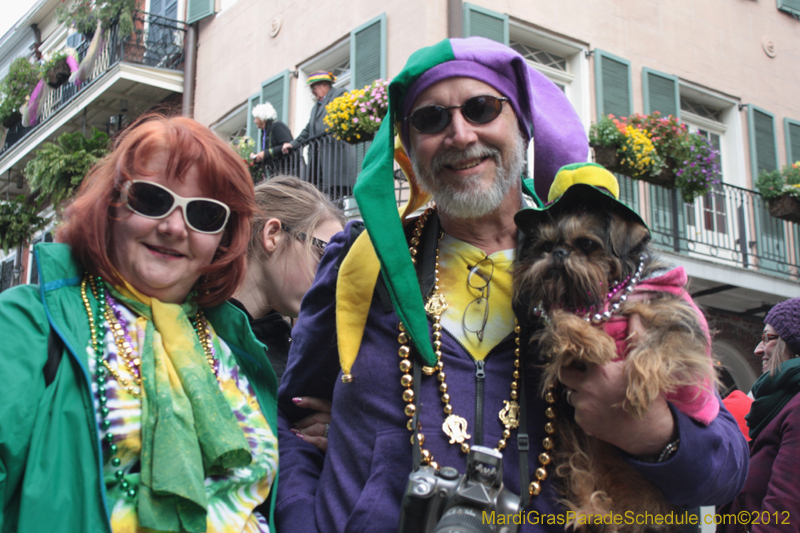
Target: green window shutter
482, 22
660, 93
613, 84
199, 9
368, 52
763, 147
252, 130
275, 91
791, 130
790, 6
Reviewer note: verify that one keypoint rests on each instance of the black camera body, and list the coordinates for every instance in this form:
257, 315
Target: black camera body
445, 502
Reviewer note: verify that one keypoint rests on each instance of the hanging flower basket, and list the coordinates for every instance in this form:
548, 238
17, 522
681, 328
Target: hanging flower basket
786, 207
58, 74
355, 116
606, 156
12, 120
658, 150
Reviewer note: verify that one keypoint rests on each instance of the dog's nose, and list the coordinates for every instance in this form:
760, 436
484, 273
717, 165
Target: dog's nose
560, 253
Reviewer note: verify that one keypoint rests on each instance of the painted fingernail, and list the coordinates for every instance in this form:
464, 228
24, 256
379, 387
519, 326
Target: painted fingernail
294, 431
300, 435
297, 400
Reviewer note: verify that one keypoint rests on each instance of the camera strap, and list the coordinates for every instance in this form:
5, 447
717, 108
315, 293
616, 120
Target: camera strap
416, 452
523, 444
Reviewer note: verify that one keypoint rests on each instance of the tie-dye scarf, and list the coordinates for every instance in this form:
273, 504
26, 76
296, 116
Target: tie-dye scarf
188, 429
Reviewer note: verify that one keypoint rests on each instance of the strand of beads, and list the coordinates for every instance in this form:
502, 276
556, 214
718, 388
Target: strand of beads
99, 292
119, 329
204, 335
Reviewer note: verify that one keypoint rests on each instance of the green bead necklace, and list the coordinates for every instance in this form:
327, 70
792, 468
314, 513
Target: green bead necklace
101, 373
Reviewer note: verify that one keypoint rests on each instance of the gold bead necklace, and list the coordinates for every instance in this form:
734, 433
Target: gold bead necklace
454, 426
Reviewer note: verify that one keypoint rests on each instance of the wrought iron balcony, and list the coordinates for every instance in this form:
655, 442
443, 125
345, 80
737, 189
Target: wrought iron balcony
155, 42
730, 226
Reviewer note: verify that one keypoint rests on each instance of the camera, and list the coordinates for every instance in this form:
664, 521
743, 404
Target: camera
443, 501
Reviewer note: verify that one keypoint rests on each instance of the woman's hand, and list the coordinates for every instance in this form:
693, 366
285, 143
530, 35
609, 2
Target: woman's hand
314, 428
259, 157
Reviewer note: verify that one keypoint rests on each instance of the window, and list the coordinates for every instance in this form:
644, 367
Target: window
613, 84
482, 22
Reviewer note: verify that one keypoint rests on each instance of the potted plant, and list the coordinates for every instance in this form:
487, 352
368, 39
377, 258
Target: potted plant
245, 146
58, 168
86, 15
55, 70
656, 149
355, 116
20, 81
18, 221
781, 190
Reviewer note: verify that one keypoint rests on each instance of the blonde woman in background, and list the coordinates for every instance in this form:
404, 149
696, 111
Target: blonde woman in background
291, 228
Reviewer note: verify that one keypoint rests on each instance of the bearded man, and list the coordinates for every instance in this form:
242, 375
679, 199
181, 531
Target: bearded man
435, 290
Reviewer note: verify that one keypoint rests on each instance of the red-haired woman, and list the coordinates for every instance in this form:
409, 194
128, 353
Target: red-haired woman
133, 395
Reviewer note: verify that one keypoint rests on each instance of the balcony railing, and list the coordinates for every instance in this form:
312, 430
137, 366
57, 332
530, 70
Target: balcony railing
156, 42
731, 226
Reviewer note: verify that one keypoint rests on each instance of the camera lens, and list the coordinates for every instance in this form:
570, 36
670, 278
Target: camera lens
463, 520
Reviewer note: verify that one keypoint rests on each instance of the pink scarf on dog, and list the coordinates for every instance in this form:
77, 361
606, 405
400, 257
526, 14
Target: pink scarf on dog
700, 403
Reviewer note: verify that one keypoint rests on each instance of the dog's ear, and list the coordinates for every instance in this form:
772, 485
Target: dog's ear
626, 235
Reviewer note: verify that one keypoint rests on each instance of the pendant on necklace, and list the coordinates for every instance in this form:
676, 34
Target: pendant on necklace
436, 304
509, 415
455, 427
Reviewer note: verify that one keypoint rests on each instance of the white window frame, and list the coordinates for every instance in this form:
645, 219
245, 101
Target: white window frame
232, 125
732, 142
576, 79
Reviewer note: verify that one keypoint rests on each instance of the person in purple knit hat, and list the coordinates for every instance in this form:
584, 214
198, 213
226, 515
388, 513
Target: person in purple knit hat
771, 494
409, 329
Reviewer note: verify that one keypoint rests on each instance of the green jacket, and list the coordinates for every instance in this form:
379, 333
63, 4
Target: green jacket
50, 455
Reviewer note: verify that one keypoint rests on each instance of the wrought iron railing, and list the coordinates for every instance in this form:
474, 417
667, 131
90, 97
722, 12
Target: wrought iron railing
731, 226
156, 42
332, 166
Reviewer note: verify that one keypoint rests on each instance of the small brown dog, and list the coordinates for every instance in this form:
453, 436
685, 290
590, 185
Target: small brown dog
580, 263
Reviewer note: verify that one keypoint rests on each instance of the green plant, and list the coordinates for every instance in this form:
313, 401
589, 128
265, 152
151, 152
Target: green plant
18, 221
648, 144
774, 183
58, 168
51, 63
358, 114
19, 83
245, 146
85, 14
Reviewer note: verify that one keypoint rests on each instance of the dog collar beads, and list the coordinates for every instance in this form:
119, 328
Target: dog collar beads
454, 426
599, 318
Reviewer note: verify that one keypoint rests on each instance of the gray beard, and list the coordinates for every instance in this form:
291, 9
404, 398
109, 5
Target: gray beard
470, 199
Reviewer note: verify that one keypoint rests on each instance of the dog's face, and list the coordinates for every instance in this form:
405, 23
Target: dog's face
571, 262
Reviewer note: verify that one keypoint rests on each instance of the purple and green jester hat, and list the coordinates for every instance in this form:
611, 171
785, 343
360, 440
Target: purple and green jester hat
544, 114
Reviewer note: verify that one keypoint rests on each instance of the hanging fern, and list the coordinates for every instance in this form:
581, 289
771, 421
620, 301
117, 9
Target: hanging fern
58, 168
18, 222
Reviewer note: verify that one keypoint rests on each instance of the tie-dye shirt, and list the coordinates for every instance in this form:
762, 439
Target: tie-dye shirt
232, 498
467, 295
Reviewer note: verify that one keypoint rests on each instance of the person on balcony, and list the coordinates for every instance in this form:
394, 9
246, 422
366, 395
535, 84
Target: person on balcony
274, 134
331, 163
772, 490
134, 396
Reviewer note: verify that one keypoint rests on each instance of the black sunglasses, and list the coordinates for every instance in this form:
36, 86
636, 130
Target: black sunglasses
477, 110
152, 200
316, 243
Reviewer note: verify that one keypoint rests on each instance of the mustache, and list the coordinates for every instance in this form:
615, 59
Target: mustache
454, 156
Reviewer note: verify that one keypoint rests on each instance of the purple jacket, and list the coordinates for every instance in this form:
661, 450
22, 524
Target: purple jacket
771, 493
358, 485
